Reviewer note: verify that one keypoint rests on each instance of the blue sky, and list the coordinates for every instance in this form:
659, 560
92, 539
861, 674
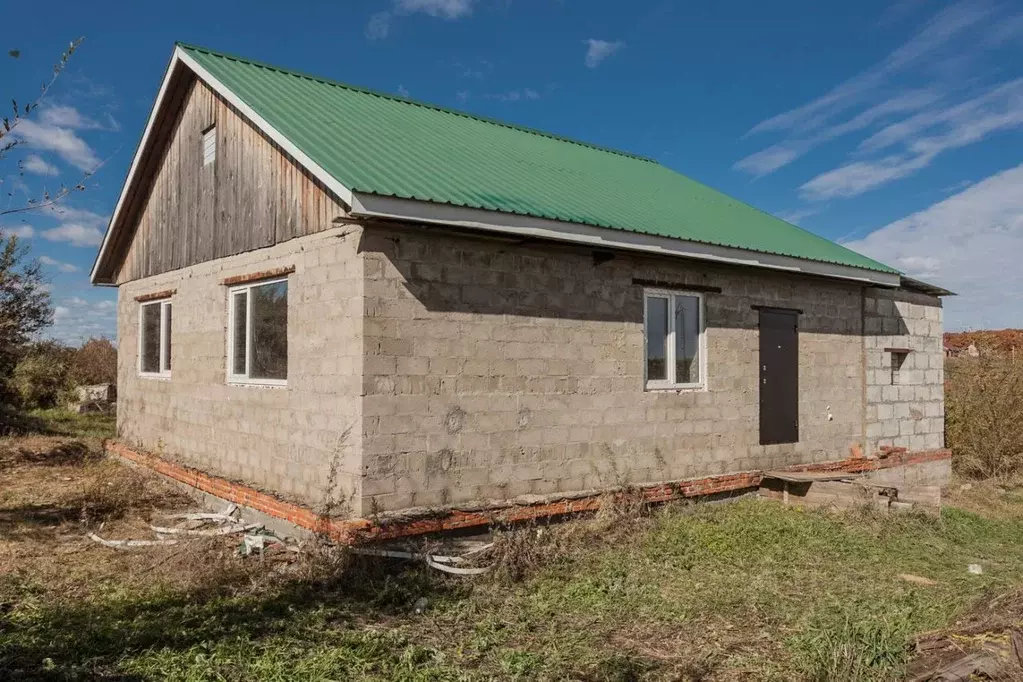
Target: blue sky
896, 128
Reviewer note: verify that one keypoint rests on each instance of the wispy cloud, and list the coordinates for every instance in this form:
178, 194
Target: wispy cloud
924, 138
939, 30
380, 23
64, 142
944, 112
798, 215
958, 243
63, 267
35, 164
21, 232
68, 117
76, 318
402, 90
75, 234
599, 50
514, 95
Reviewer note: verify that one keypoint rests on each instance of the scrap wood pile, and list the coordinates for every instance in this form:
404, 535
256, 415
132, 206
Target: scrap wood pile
254, 538
986, 645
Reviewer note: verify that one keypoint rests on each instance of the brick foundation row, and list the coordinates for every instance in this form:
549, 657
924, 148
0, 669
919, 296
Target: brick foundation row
352, 531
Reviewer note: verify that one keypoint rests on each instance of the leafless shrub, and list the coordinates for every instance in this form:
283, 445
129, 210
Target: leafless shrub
984, 416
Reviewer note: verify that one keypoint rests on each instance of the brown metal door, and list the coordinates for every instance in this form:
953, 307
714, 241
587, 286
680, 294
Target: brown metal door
779, 376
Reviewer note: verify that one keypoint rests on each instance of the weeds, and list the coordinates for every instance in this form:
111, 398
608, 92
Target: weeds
749, 590
984, 416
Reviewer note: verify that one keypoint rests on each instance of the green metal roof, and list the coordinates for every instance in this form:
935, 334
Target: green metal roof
390, 146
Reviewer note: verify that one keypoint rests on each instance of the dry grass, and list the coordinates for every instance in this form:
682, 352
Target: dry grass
984, 416
749, 590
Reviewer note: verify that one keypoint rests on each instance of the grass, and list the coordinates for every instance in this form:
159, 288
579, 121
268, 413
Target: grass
748, 590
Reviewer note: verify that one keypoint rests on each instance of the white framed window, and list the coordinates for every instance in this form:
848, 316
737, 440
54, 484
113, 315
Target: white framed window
674, 340
257, 336
209, 145
155, 339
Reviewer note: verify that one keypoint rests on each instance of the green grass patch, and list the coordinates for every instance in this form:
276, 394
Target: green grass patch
746, 590
57, 422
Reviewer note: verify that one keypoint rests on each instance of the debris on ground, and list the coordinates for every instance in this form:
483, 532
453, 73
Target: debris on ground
459, 558
985, 645
975, 569
255, 539
917, 579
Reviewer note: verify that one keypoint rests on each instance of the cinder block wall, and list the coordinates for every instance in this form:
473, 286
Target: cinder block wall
912, 413
280, 439
496, 370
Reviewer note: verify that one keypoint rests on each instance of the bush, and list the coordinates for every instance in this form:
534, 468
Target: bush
95, 363
984, 416
43, 377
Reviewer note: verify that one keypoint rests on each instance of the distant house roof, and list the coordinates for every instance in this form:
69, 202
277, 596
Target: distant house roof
386, 156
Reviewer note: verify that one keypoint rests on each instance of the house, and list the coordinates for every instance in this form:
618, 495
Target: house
343, 296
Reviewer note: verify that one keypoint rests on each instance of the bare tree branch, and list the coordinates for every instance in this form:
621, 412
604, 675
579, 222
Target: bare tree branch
10, 123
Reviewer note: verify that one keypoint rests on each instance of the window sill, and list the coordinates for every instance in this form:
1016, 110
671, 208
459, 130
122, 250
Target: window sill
257, 383
674, 388
163, 376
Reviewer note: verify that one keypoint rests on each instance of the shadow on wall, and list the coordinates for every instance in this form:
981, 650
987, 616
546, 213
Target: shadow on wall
451, 272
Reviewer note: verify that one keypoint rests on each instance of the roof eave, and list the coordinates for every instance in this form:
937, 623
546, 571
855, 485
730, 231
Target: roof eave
918, 285
367, 205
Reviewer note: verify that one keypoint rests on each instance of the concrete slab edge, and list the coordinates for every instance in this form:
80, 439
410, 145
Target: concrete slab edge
423, 521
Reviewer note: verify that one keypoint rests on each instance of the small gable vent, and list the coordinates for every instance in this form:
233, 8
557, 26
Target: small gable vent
209, 145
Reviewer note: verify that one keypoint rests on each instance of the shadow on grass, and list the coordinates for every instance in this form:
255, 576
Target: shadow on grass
83, 640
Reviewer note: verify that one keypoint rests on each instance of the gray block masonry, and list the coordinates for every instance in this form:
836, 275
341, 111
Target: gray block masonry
429, 368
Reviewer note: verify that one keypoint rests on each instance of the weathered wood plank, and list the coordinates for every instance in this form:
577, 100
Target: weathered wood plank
252, 196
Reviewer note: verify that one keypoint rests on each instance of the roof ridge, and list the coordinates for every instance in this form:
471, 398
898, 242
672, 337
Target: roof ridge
426, 105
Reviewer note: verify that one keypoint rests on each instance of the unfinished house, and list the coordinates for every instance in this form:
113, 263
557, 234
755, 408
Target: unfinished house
331, 293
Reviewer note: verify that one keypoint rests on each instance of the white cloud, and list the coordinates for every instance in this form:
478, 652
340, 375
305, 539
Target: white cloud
941, 110
968, 243
67, 117
76, 319
402, 90
860, 176
62, 141
599, 50
942, 28
462, 96
515, 95
35, 164
778, 155
798, 215
63, 267
21, 232
75, 234
770, 159
448, 9
379, 25
1004, 98
959, 126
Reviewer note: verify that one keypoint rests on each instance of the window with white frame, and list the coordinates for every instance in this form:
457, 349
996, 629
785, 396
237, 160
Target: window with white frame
155, 338
258, 333
674, 330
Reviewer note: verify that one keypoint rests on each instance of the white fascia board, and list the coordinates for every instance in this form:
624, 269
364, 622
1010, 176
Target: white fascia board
394, 208
180, 56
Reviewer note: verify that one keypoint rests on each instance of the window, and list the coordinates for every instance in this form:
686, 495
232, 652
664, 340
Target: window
258, 333
898, 357
673, 325
155, 339
209, 145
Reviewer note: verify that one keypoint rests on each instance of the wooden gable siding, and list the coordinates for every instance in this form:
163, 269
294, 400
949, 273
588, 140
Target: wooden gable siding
252, 196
